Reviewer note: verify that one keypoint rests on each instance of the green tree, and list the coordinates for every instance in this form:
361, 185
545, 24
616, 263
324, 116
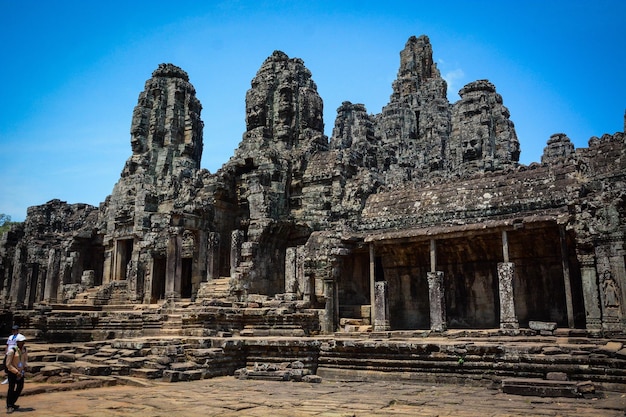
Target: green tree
5, 223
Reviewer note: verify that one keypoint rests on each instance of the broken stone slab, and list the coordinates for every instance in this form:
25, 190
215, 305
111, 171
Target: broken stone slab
92, 369
312, 379
146, 373
542, 325
170, 376
557, 376
545, 388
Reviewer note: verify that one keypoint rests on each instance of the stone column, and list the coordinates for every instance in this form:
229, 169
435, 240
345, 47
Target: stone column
611, 278
213, 256
433, 255
291, 281
235, 250
173, 266
328, 324
120, 261
437, 301
381, 306
508, 318
18, 280
52, 282
372, 284
505, 246
300, 277
593, 316
566, 278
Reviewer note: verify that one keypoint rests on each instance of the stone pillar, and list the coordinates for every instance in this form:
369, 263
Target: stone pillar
611, 281
235, 250
433, 255
508, 318
120, 261
436, 297
18, 280
52, 282
213, 256
505, 246
593, 316
381, 305
328, 324
107, 267
173, 266
372, 284
309, 288
566, 278
301, 279
291, 281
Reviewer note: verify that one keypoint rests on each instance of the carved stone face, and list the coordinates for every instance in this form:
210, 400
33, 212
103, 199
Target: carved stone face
284, 112
472, 149
255, 111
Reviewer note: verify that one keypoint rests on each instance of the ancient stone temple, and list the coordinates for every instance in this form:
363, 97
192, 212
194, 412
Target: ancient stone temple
419, 217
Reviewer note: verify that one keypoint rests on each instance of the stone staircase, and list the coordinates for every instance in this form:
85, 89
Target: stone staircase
515, 364
218, 288
173, 359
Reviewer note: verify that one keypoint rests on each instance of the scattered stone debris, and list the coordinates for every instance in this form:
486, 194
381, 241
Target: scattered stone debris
294, 371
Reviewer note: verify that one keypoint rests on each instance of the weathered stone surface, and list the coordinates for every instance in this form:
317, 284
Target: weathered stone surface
292, 233
559, 148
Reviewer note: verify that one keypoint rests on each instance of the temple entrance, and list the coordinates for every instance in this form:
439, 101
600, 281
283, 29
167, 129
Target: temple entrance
185, 277
159, 267
470, 267
353, 287
123, 254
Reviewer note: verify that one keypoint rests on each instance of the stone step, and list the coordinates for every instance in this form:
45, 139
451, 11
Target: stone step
546, 388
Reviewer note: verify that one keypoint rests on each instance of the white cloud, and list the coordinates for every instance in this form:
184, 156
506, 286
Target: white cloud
454, 78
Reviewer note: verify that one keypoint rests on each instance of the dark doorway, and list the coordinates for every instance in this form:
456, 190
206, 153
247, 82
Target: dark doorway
124, 254
158, 279
185, 277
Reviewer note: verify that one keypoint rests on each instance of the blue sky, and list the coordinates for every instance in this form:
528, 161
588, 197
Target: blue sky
72, 71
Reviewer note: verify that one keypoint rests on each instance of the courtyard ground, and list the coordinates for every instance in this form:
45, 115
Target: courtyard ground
228, 396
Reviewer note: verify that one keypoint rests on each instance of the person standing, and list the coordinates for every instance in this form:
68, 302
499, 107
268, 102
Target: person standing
16, 362
10, 343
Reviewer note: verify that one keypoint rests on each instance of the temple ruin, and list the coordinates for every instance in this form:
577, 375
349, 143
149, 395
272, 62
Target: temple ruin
419, 218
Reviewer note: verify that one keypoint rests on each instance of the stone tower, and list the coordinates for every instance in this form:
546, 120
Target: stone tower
166, 141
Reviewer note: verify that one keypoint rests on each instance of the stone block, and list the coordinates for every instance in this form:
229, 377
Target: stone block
312, 379
146, 373
557, 376
542, 325
171, 376
540, 387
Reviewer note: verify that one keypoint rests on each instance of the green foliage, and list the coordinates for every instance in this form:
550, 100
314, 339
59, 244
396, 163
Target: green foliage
5, 223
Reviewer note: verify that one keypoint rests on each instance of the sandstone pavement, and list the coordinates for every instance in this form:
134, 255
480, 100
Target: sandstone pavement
227, 396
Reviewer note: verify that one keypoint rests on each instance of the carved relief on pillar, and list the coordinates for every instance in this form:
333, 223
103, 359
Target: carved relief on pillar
437, 301
236, 241
213, 256
611, 271
381, 305
291, 281
506, 273
610, 291
189, 244
591, 296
